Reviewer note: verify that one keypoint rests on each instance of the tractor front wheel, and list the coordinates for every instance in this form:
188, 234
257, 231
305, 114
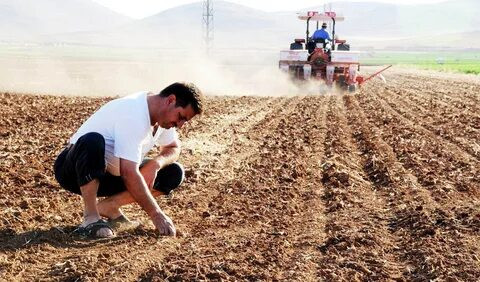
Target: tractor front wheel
352, 88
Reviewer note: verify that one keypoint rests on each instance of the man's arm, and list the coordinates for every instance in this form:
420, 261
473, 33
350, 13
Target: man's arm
137, 187
167, 155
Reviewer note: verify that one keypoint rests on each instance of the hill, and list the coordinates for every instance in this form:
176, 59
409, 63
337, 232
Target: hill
241, 27
28, 19
371, 19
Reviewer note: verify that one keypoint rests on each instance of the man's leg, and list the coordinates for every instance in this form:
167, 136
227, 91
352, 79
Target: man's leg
110, 206
167, 179
90, 212
78, 169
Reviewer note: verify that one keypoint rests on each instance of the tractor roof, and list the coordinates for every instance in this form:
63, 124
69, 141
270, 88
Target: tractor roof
321, 17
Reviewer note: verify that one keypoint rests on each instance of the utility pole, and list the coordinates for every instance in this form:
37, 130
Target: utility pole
207, 24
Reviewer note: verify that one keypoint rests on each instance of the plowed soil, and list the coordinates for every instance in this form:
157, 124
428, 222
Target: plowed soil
380, 185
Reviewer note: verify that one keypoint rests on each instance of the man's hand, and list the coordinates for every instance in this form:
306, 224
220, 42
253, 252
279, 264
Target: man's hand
137, 187
164, 224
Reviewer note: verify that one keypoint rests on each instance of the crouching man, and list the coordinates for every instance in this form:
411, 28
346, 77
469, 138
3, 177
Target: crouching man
106, 157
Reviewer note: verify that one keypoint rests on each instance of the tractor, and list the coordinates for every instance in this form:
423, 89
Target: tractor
320, 59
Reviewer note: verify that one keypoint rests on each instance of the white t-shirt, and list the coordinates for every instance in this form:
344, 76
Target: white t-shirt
125, 125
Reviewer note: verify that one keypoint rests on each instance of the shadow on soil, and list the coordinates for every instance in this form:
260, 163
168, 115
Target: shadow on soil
58, 237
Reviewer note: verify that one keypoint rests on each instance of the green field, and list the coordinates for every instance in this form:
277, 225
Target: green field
461, 61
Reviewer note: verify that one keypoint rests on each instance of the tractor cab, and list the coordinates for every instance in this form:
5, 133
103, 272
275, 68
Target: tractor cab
317, 18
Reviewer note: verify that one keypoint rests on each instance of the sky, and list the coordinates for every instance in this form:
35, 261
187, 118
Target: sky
143, 8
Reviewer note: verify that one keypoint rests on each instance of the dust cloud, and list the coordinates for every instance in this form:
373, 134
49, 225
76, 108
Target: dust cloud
90, 72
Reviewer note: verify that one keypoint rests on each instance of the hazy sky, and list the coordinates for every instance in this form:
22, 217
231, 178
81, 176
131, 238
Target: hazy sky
144, 8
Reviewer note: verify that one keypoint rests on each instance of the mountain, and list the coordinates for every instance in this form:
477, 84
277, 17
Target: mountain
371, 19
241, 27
28, 19
181, 27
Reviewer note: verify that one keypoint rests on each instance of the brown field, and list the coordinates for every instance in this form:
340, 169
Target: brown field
380, 185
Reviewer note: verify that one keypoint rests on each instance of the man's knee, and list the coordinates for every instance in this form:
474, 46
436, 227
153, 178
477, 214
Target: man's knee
80, 163
88, 156
92, 141
169, 178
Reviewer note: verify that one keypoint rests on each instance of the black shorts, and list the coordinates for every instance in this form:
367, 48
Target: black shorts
84, 161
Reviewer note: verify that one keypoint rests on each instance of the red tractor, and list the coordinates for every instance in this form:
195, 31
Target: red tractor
329, 61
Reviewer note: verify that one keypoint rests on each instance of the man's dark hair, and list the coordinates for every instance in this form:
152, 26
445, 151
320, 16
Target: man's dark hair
185, 94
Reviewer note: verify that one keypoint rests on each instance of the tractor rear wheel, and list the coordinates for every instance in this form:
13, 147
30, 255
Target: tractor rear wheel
341, 83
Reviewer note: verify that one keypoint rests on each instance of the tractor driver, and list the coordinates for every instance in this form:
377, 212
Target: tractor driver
320, 34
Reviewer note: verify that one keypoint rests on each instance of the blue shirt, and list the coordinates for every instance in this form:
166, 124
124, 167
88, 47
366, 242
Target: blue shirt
321, 34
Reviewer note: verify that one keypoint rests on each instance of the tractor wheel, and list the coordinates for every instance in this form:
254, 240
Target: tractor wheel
341, 83
352, 88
